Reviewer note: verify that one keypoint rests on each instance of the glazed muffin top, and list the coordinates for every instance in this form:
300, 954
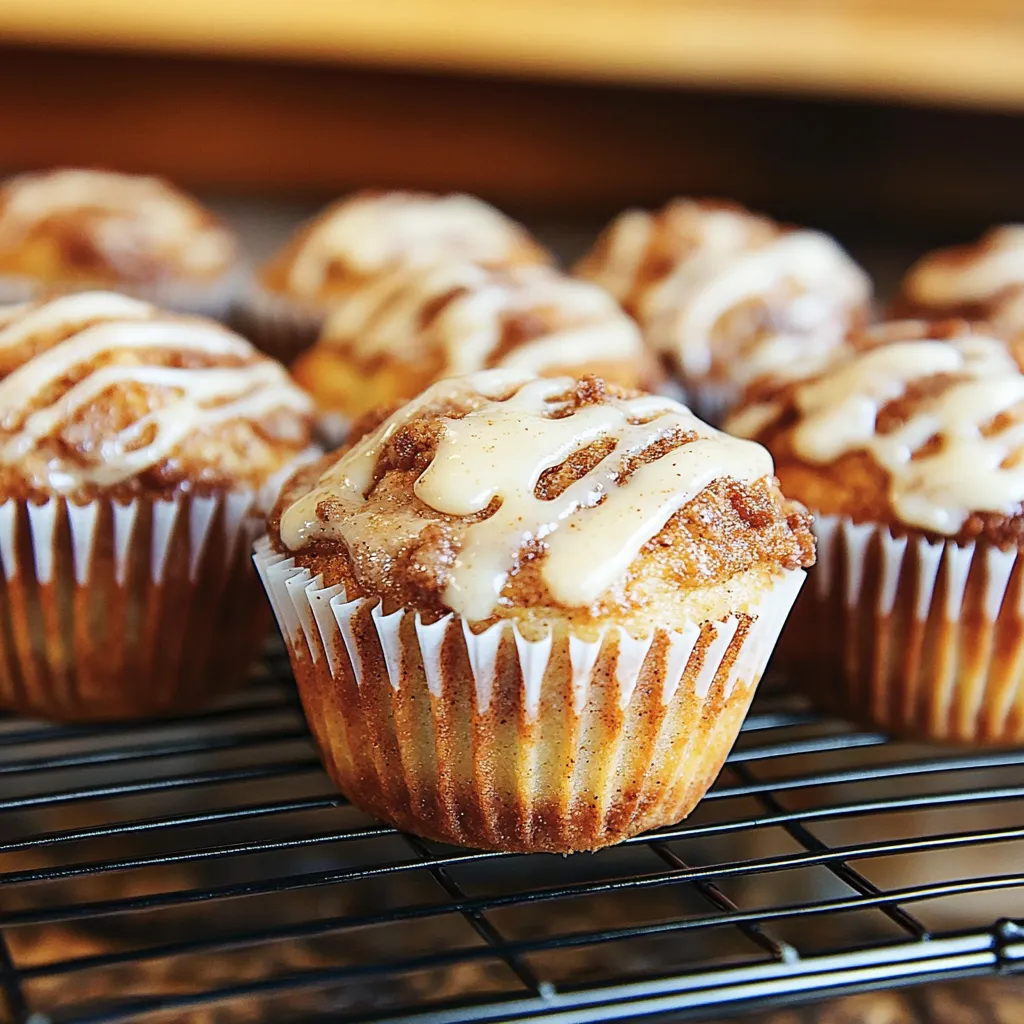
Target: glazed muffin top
73, 228
725, 294
456, 318
101, 394
359, 237
923, 433
981, 281
501, 494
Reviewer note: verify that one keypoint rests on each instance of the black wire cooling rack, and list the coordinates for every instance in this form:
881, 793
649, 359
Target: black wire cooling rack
202, 869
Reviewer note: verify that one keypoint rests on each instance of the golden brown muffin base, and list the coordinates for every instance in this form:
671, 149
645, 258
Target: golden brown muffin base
101, 648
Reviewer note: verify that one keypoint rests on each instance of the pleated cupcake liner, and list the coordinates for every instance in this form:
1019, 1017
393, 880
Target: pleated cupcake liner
710, 401
332, 429
112, 610
215, 299
918, 638
498, 741
281, 326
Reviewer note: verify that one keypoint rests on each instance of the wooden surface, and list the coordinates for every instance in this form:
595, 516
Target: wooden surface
953, 51
561, 149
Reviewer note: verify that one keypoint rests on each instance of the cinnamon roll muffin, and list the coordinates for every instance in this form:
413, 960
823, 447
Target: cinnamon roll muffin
75, 230
530, 614
981, 281
726, 296
139, 453
406, 329
911, 457
344, 248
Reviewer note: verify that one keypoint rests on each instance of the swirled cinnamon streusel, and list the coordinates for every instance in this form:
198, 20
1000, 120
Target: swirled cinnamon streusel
924, 433
365, 234
67, 230
407, 328
980, 281
728, 296
500, 493
102, 393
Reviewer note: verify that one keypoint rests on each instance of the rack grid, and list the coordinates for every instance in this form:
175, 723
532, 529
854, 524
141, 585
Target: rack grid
204, 869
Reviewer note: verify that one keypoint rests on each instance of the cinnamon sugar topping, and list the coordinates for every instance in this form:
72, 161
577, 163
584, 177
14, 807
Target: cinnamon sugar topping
127, 226
467, 317
944, 420
101, 389
486, 469
970, 274
725, 293
368, 233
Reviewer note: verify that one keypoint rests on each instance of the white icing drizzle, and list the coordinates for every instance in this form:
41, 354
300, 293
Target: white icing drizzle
976, 275
968, 471
119, 332
369, 233
582, 322
133, 207
592, 531
727, 258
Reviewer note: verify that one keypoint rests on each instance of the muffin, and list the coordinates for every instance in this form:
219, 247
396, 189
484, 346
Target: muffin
726, 296
910, 456
530, 614
982, 281
405, 329
352, 242
75, 230
139, 453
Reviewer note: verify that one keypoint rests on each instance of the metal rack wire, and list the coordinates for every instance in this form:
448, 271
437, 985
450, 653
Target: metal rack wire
203, 869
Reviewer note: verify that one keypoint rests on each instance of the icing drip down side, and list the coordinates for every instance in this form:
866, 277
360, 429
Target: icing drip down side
951, 442
100, 389
470, 317
487, 469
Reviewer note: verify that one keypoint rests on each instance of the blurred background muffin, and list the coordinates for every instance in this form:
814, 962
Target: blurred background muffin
75, 230
347, 246
726, 296
980, 281
138, 454
407, 328
909, 454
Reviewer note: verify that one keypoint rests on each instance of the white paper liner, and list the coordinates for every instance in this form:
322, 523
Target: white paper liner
928, 637
332, 429
213, 299
119, 610
281, 326
643, 724
713, 400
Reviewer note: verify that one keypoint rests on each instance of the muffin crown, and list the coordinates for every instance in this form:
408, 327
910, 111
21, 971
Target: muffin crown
463, 317
696, 272
561, 484
108, 226
369, 232
982, 276
940, 416
104, 392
